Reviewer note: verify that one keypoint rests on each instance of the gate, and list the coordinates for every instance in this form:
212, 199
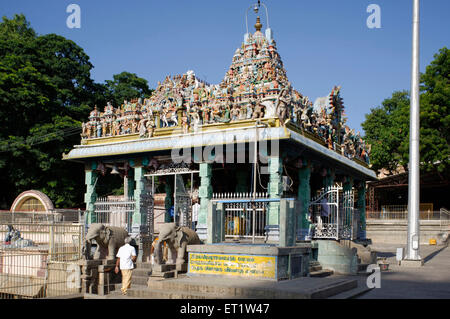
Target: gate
116, 212
347, 211
245, 217
147, 210
183, 203
332, 214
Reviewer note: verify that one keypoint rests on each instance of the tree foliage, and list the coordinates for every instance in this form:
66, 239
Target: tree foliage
126, 85
387, 126
46, 91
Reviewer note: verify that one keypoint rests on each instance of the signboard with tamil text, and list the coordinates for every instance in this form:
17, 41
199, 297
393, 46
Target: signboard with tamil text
261, 267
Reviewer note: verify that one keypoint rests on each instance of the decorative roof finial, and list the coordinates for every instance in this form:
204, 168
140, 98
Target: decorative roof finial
258, 24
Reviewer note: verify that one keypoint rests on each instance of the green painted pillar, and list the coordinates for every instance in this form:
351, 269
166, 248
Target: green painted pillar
275, 188
304, 197
90, 196
130, 184
139, 181
287, 223
361, 205
347, 187
205, 194
216, 223
168, 201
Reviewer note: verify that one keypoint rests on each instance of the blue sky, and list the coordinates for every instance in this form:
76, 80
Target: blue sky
322, 43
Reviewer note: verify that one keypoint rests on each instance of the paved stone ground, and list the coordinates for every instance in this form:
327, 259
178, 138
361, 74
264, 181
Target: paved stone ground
432, 281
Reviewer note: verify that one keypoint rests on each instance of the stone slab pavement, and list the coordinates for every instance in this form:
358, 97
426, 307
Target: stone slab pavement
431, 281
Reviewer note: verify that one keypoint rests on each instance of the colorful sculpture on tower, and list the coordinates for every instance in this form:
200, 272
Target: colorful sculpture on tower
254, 87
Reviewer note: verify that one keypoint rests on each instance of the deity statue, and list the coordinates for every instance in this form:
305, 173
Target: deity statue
99, 129
258, 112
281, 106
305, 121
150, 128
234, 112
84, 130
184, 123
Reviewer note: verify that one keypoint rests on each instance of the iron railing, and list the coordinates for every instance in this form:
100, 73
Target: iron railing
51, 216
245, 217
114, 212
333, 214
403, 215
34, 258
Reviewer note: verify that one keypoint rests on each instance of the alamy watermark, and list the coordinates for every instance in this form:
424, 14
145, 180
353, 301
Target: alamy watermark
374, 19
73, 280
219, 147
374, 279
74, 19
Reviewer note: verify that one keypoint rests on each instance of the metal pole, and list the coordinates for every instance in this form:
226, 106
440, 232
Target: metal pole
255, 162
175, 199
412, 249
125, 188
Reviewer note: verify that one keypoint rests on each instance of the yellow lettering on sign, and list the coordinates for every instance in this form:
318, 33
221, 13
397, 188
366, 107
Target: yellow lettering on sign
236, 265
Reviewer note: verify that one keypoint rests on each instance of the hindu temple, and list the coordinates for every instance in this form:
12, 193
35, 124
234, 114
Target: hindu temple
278, 178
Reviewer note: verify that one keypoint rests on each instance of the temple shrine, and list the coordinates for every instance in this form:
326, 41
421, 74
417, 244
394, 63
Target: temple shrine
269, 168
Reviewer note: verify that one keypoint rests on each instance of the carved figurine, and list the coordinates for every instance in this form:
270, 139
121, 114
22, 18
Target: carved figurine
259, 111
281, 107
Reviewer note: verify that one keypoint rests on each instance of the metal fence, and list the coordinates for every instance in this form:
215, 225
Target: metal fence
333, 214
35, 257
245, 218
52, 216
441, 215
114, 212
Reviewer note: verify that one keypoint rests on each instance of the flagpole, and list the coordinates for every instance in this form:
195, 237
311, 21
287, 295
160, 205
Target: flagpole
412, 249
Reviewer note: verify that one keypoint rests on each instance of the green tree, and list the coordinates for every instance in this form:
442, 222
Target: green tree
387, 126
435, 113
385, 131
125, 86
45, 90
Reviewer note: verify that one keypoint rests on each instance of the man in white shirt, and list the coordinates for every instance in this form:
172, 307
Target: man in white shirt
126, 256
195, 209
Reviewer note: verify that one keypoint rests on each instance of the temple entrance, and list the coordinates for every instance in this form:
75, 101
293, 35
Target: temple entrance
118, 211
183, 203
333, 214
182, 195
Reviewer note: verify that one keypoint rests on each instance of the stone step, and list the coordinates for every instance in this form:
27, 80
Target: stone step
163, 268
321, 273
182, 288
166, 274
137, 280
143, 265
315, 268
211, 292
117, 294
230, 292
146, 293
142, 272
355, 292
334, 289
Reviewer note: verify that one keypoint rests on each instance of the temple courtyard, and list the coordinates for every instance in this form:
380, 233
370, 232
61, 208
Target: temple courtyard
430, 281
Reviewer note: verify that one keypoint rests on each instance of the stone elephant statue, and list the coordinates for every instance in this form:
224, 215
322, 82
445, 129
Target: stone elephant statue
177, 239
107, 237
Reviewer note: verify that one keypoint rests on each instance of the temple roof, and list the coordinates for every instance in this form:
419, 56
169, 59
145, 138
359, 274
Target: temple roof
255, 87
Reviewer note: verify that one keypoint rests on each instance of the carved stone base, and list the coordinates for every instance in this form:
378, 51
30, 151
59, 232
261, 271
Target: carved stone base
164, 271
163, 268
182, 267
